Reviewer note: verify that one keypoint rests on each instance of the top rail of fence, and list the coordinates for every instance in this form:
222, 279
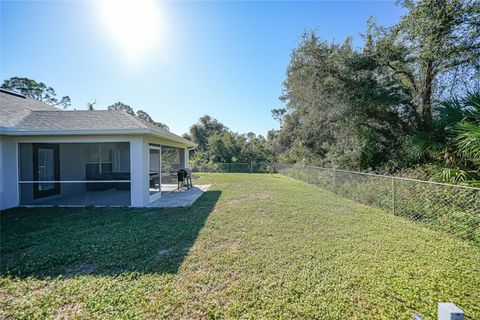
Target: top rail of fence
396, 177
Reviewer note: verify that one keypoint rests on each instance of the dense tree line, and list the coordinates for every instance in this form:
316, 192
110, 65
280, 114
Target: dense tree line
217, 143
382, 107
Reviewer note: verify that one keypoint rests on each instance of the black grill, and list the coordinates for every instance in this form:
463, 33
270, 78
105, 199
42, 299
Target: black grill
184, 177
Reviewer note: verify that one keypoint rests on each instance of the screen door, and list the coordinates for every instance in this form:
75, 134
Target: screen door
45, 170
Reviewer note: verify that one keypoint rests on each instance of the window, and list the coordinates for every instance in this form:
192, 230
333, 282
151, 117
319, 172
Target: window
98, 159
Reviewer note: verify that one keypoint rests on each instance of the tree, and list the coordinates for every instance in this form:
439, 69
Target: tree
146, 117
122, 107
355, 108
453, 143
216, 143
91, 105
255, 149
36, 90
431, 49
203, 129
278, 114
140, 114
224, 147
339, 112
251, 136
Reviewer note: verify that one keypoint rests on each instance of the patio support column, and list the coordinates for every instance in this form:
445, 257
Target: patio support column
139, 166
186, 158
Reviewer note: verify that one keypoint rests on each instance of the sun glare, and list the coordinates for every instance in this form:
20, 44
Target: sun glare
134, 26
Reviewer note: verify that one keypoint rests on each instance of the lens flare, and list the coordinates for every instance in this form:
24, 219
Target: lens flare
134, 26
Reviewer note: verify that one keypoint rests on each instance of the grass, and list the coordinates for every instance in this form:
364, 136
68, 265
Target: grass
254, 246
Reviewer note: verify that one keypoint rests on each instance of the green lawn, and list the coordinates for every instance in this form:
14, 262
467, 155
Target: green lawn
254, 246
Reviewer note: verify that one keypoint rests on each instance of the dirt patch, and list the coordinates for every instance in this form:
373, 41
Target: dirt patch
68, 311
80, 269
238, 199
248, 198
265, 213
263, 195
233, 247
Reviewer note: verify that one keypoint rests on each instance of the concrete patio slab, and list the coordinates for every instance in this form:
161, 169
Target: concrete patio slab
180, 198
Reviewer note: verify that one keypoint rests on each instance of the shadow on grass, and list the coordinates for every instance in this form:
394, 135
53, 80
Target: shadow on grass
46, 242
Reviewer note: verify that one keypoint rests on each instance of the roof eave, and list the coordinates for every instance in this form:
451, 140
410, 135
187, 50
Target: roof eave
176, 139
9, 131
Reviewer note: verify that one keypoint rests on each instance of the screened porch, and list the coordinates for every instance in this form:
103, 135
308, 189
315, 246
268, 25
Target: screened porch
74, 174
88, 174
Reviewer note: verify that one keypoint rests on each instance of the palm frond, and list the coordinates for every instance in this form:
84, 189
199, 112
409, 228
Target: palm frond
468, 141
456, 176
449, 113
423, 145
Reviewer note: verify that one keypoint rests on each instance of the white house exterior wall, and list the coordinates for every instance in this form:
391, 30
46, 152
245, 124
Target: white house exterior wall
8, 173
9, 149
139, 162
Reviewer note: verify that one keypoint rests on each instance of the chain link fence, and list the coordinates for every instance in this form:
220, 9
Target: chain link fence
236, 167
451, 208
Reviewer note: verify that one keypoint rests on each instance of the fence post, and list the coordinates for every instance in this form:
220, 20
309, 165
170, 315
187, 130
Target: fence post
393, 195
251, 167
334, 180
227, 167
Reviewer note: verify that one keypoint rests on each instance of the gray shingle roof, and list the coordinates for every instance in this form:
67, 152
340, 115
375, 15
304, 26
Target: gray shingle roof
13, 108
23, 115
77, 120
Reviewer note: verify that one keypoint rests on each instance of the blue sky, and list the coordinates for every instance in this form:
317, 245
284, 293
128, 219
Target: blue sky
225, 59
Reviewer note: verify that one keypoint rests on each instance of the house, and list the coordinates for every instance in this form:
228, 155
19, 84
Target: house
50, 156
